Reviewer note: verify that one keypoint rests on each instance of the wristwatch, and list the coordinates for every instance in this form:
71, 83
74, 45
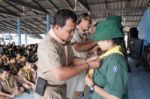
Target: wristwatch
92, 87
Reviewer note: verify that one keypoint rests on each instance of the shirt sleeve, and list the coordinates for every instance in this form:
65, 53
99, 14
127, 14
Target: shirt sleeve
48, 57
116, 79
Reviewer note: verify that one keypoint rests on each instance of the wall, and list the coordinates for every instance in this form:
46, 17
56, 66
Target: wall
144, 27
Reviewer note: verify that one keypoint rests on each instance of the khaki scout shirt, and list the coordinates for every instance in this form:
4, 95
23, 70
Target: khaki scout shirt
112, 76
12, 82
78, 38
51, 54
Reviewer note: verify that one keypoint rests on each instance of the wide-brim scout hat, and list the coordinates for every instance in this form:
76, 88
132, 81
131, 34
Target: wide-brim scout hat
107, 30
117, 19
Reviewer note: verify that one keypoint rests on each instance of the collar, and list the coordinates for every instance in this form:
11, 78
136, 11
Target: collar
116, 49
54, 36
81, 31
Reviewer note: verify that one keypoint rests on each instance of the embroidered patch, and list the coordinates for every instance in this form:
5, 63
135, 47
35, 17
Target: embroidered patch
115, 69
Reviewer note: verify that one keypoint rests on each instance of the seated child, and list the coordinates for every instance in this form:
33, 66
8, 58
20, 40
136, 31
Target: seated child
8, 84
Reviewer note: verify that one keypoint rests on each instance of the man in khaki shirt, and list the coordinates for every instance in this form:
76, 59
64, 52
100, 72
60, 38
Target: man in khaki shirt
55, 57
81, 45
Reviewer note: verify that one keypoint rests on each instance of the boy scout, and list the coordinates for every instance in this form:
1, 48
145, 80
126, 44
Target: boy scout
110, 80
55, 56
8, 84
26, 75
13, 65
81, 45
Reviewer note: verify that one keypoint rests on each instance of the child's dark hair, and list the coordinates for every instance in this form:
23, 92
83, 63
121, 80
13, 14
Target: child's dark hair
118, 40
5, 68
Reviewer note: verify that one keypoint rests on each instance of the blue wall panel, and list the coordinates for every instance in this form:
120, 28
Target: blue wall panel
144, 27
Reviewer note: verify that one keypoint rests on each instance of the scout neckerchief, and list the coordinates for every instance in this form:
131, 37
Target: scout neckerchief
66, 52
7, 83
84, 37
5, 61
28, 72
82, 34
116, 49
14, 67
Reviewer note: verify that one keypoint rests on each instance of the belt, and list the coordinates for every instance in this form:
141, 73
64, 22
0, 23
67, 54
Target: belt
50, 85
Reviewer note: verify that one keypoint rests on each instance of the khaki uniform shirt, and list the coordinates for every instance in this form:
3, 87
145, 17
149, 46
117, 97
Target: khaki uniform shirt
79, 38
12, 82
25, 74
51, 54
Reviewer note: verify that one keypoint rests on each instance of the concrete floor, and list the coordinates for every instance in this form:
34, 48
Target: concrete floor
138, 84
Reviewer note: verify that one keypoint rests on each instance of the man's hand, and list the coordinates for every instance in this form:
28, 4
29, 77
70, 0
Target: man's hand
94, 63
91, 58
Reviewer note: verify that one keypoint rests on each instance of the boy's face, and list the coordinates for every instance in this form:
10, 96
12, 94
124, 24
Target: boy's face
86, 22
105, 44
6, 74
13, 60
66, 32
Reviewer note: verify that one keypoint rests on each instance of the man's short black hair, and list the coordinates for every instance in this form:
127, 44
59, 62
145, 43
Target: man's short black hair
5, 68
62, 15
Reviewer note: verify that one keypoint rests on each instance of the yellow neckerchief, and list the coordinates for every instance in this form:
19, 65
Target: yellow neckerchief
116, 49
14, 67
82, 34
7, 82
5, 61
27, 72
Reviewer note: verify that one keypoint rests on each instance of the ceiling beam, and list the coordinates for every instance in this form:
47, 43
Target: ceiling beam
6, 29
84, 4
22, 17
26, 27
101, 16
124, 10
69, 4
12, 5
106, 4
53, 4
40, 6
6, 12
20, 2
112, 1
148, 3
21, 12
11, 12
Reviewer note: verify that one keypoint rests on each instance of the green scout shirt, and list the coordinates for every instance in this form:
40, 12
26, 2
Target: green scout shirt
113, 76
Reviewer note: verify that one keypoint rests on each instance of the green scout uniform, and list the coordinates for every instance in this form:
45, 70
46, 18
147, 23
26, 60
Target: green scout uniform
9, 85
118, 21
112, 76
51, 54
